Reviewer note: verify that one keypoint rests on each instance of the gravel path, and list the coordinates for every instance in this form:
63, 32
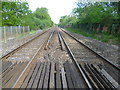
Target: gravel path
111, 52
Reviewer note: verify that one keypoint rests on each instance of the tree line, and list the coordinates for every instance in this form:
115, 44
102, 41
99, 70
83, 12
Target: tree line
97, 16
19, 14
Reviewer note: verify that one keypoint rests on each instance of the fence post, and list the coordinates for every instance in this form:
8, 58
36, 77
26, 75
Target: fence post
28, 29
5, 34
11, 30
19, 30
23, 29
16, 31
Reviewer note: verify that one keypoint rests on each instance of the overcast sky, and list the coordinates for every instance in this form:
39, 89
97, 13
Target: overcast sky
56, 8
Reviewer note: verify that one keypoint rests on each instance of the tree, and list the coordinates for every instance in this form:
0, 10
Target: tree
67, 20
95, 12
12, 12
18, 13
42, 18
95, 15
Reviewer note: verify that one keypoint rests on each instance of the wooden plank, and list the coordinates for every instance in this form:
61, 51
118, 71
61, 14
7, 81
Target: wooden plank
8, 70
73, 76
33, 76
35, 84
64, 82
80, 81
15, 76
89, 77
100, 85
114, 83
27, 78
4, 63
42, 76
58, 80
12, 74
68, 76
52, 82
110, 81
7, 77
46, 79
6, 66
100, 78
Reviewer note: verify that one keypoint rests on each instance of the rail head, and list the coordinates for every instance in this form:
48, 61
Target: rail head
7, 55
76, 63
26, 69
97, 54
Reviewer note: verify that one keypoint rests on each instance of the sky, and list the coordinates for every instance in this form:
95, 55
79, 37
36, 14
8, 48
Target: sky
56, 8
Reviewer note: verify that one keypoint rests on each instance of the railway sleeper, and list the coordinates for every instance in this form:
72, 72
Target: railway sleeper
101, 79
27, 78
94, 85
8, 70
92, 74
44, 75
6, 65
9, 75
106, 76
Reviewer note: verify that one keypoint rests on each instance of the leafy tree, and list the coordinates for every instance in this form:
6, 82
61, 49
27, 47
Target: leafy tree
42, 18
12, 12
95, 12
96, 15
67, 20
18, 13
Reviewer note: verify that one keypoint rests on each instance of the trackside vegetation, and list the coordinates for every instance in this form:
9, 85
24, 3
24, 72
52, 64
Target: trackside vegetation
99, 20
19, 14
103, 36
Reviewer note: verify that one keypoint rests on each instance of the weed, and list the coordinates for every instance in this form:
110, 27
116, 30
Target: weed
102, 36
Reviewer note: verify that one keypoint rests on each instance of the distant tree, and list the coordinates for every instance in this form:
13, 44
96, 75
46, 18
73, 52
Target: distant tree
67, 20
42, 18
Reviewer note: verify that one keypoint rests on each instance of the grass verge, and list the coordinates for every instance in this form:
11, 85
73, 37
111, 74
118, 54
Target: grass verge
103, 36
32, 32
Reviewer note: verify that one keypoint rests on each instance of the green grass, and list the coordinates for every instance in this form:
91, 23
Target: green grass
26, 34
33, 31
104, 37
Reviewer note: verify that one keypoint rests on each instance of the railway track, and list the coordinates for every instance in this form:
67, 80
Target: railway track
14, 62
96, 68
53, 68
57, 64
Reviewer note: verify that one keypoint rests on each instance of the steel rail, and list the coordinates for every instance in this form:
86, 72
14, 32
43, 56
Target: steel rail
20, 79
48, 41
60, 39
16, 49
97, 54
77, 65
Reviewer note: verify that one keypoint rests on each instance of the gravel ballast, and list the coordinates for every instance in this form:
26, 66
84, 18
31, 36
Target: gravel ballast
111, 52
